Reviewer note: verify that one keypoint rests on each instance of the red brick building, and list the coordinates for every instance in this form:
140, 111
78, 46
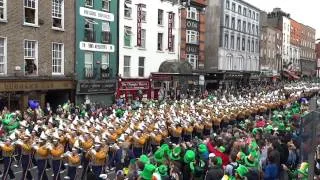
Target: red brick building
295, 34
193, 27
318, 49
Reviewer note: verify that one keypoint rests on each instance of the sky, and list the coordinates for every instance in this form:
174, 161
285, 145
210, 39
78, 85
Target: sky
304, 11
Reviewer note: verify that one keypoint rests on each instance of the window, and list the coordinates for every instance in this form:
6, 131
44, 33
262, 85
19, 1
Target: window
105, 65
239, 25
253, 29
127, 36
249, 28
193, 13
252, 45
232, 42
226, 21
233, 7
245, 11
233, 23
141, 67
238, 43
243, 44
160, 17
143, 16
160, 42
3, 55
88, 3
127, 9
89, 34
192, 37
58, 14
106, 34
126, 66
253, 15
248, 46
31, 12
226, 41
57, 58
3, 10
88, 65
143, 38
257, 17
244, 26
228, 4
193, 60
239, 9
30, 57
106, 5
249, 14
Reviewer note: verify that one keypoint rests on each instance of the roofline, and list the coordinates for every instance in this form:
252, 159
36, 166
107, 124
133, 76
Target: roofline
248, 4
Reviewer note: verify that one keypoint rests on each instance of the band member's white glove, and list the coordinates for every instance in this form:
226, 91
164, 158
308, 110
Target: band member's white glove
35, 147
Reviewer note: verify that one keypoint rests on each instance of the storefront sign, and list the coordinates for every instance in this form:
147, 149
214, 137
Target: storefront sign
8, 86
192, 49
139, 22
134, 85
87, 87
192, 25
170, 26
91, 13
98, 47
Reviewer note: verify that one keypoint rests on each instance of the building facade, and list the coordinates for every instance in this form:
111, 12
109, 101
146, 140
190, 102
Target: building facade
36, 52
239, 37
294, 48
148, 36
96, 50
318, 57
270, 50
308, 56
193, 27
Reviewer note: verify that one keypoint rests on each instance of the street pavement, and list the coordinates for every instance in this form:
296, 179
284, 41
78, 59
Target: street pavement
18, 173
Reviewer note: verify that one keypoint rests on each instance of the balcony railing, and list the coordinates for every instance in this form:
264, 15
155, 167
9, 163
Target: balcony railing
106, 73
89, 35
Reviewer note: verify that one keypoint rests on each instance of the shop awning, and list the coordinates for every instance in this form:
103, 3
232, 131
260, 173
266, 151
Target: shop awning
290, 75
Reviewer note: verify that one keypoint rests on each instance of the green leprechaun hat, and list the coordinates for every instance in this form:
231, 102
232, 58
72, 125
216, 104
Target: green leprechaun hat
175, 153
147, 172
303, 169
189, 156
240, 157
202, 148
197, 168
144, 159
159, 156
242, 171
222, 149
165, 148
250, 160
163, 170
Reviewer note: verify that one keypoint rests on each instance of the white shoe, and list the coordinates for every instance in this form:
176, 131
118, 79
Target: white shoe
16, 166
52, 175
66, 177
62, 171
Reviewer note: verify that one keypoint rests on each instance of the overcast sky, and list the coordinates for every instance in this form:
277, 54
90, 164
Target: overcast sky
303, 11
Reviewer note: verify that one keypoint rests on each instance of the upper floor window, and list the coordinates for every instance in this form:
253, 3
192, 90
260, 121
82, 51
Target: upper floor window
233, 8
253, 15
31, 12
245, 11
193, 13
57, 58
88, 3
127, 36
58, 14
226, 21
31, 57
106, 33
160, 17
228, 4
233, 23
89, 34
239, 9
127, 9
3, 10
249, 14
192, 37
3, 55
106, 5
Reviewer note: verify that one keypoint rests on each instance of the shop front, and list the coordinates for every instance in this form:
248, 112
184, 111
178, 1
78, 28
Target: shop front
15, 94
96, 91
132, 88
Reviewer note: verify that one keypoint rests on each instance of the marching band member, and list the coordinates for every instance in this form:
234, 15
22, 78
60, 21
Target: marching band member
26, 157
56, 154
138, 143
73, 161
98, 157
86, 144
42, 153
187, 132
155, 139
7, 153
176, 131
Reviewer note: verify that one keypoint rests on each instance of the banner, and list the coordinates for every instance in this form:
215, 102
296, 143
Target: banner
139, 20
170, 26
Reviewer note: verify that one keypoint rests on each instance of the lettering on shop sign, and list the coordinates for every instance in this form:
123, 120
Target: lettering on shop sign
139, 23
192, 49
91, 13
31, 86
96, 87
98, 47
192, 25
170, 26
134, 85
